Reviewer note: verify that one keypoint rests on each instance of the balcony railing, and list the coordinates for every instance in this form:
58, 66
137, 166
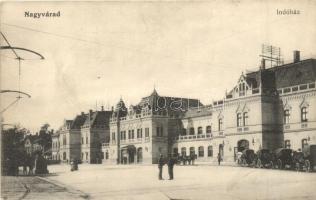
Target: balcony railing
195, 137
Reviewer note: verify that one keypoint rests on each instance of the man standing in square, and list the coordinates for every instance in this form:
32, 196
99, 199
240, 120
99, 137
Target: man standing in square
161, 163
171, 162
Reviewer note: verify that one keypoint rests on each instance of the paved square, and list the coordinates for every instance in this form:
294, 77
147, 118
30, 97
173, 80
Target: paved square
191, 182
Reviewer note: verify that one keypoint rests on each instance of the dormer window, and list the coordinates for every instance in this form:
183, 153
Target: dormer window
242, 88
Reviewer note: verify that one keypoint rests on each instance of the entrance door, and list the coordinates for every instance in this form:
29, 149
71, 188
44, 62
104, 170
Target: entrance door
131, 155
242, 145
221, 150
139, 155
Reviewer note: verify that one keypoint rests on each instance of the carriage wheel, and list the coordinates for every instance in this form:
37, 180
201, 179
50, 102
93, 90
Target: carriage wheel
271, 165
307, 166
259, 164
279, 164
297, 166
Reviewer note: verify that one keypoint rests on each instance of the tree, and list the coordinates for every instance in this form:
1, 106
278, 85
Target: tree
13, 151
45, 139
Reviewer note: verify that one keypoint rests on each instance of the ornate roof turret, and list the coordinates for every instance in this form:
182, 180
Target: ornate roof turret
120, 109
154, 93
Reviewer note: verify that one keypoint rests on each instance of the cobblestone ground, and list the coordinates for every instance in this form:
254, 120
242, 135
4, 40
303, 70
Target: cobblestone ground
191, 182
28, 187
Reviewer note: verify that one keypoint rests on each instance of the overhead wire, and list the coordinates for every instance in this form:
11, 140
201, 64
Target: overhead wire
19, 73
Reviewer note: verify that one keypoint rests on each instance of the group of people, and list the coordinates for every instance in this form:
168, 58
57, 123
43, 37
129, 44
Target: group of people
170, 162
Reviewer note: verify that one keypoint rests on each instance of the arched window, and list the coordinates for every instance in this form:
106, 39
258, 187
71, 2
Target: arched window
304, 143
245, 118
175, 151
209, 129
183, 151
210, 151
192, 131
239, 120
200, 130
192, 151
286, 116
287, 144
201, 151
304, 114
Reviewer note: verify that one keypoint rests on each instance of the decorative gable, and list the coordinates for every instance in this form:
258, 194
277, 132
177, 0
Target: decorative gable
304, 103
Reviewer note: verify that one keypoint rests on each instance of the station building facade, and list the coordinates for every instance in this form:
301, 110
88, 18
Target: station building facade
268, 108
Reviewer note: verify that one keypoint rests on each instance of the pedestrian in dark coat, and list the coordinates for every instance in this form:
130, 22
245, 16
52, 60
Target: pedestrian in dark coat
171, 162
219, 158
161, 163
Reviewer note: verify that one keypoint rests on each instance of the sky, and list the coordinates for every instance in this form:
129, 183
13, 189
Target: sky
97, 52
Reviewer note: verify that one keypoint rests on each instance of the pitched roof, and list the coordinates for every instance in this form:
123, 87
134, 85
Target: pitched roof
287, 75
98, 118
295, 73
199, 112
78, 121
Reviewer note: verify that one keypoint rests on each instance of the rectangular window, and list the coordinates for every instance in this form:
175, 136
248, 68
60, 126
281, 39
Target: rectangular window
303, 87
159, 131
201, 151
220, 124
245, 119
209, 129
82, 140
287, 144
303, 114
87, 140
132, 135
139, 133
286, 116
239, 121
146, 132
210, 151
113, 136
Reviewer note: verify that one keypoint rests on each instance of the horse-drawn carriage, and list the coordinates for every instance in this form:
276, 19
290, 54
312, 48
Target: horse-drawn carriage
283, 158
305, 160
264, 158
186, 159
247, 158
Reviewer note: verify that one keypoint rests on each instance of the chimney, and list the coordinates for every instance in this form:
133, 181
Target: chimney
296, 56
263, 64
